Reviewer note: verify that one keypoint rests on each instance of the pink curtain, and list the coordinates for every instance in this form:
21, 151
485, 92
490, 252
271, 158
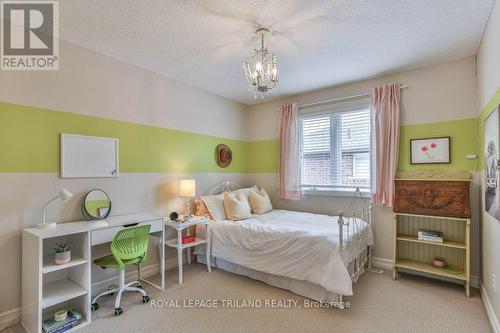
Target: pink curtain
385, 112
289, 170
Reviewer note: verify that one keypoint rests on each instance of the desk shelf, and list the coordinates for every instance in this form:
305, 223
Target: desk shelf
61, 291
49, 266
79, 303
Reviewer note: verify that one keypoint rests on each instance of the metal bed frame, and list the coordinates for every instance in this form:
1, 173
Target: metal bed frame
349, 226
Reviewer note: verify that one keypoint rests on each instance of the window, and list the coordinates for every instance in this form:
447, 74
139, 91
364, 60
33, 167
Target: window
335, 146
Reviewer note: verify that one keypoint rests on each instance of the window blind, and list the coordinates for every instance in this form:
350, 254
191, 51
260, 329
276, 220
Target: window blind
335, 146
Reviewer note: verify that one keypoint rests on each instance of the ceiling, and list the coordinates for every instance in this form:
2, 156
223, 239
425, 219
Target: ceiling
318, 43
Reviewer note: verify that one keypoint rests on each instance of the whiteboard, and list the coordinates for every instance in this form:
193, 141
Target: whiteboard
88, 156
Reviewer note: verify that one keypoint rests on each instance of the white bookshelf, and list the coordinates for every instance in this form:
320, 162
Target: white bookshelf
48, 287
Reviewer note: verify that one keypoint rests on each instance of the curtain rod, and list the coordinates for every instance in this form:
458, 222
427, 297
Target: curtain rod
366, 94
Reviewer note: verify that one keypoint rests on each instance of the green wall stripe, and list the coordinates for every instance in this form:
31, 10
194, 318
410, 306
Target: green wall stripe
487, 110
263, 156
29, 142
463, 141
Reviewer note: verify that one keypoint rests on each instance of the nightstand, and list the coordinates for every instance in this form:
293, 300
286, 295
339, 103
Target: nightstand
177, 242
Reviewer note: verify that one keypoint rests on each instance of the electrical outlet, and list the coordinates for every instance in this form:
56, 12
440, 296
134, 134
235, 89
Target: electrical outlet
493, 283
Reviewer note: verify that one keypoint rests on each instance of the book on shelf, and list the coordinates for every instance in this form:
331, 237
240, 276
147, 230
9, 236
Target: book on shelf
431, 236
431, 239
429, 233
67, 326
52, 326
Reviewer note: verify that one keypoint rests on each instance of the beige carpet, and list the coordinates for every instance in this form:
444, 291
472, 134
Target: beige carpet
411, 304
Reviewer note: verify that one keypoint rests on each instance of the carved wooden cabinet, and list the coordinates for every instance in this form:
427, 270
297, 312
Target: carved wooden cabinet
448, 198
439, 205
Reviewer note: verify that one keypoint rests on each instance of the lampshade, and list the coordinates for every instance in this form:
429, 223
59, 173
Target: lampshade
65, 194
187, 188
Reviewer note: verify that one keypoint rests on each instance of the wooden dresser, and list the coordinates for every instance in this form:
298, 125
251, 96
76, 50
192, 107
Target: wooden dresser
436, 202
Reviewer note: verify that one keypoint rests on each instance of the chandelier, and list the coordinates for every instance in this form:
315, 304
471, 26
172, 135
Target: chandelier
260, 69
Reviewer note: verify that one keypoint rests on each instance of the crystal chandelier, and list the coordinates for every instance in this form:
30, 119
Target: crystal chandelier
260, 69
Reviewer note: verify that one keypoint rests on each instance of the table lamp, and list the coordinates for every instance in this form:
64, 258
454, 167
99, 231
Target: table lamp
64, 194
187, 189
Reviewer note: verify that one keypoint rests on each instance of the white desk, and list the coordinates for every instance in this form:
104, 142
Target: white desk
47, 288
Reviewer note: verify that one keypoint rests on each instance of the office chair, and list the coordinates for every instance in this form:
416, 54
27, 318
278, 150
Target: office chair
129, 246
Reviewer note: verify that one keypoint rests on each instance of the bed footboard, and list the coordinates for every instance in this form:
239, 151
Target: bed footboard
349, 229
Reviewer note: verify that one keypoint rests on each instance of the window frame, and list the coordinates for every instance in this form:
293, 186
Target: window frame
350, 105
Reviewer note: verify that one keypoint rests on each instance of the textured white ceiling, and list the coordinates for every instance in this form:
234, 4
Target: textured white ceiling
318, 43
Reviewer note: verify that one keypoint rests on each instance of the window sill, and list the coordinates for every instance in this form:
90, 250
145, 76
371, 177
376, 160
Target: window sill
346, 193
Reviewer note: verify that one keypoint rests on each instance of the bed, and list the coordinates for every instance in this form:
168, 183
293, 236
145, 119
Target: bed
313, 255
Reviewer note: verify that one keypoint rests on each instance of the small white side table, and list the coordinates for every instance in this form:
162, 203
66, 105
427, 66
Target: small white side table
177, 242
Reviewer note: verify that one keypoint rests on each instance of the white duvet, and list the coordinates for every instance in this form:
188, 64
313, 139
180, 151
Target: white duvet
297, 245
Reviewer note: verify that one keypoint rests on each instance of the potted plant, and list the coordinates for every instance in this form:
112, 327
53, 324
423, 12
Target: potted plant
63, 253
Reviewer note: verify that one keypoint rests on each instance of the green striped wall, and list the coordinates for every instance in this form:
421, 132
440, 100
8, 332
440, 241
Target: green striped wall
263, 155
29, 142
463, 142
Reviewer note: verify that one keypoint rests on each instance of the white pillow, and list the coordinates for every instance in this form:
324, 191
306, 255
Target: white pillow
237, 207
215, 205
260, 202
246, 193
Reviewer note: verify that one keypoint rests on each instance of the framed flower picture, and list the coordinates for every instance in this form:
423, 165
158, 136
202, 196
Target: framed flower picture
430, 150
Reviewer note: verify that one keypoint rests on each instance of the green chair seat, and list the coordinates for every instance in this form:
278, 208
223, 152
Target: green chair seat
129, 246
110, 262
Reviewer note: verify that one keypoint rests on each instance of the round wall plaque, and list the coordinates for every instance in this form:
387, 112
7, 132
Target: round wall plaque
224, 155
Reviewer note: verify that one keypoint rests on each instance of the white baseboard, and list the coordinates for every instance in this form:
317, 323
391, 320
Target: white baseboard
474, 281
384, 263
10, 317
490, 312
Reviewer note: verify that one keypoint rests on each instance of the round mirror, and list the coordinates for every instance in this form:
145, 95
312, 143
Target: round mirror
96, 205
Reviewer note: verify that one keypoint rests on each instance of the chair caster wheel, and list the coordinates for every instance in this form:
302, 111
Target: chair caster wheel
118, 311
145, 299
94, 306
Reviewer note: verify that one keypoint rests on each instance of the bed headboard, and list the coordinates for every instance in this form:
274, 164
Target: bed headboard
359, 204
222, 187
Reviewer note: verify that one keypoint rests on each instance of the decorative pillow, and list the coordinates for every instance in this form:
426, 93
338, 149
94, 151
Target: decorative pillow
215, 205
260, 202
246, 193
237, 207
201, 208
